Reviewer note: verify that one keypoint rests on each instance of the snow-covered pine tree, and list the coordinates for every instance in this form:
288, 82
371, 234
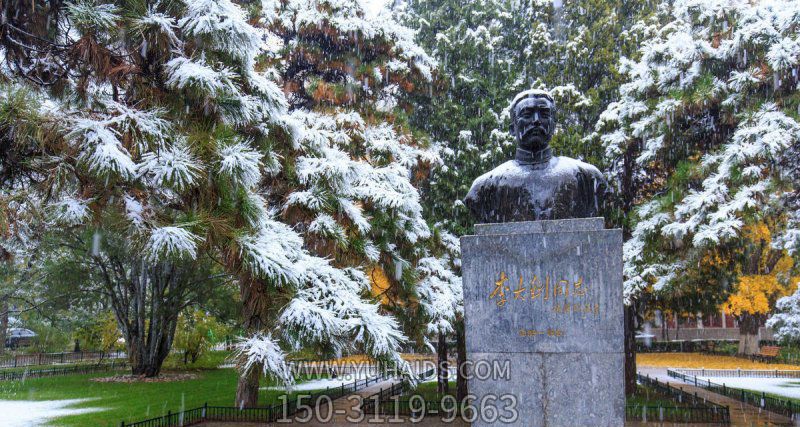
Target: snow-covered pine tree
441, 298
785, 323
349, 77
166, 116
706, 131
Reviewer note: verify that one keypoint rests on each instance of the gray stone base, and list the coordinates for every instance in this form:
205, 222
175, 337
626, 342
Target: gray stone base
544, 323
552, 389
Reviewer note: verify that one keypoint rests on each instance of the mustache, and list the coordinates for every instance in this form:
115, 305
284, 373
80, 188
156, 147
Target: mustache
534, 129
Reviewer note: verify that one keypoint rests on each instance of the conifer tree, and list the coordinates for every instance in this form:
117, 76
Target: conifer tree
169, 119
350, 78
706, 132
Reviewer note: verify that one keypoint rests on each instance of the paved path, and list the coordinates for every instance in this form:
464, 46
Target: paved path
742, 414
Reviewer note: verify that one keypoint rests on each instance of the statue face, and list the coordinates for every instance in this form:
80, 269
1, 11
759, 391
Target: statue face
534, 123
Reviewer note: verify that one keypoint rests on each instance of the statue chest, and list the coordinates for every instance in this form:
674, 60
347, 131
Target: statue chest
532, 198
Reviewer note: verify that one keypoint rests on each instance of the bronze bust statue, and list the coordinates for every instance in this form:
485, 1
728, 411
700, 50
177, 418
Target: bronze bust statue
536, 185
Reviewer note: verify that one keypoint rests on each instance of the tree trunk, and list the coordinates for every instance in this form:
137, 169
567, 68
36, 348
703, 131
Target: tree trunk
254, 311
149, 317
247, 389
461, 354
441, 366
748, 333
3, 322
630, 349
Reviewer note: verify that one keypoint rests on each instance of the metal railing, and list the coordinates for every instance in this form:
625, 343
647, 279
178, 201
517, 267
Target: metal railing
373, 401
68, 370
34, 359
692, 409
676, 414
786, 359
735, 373
778, 405
384, 402
269, 414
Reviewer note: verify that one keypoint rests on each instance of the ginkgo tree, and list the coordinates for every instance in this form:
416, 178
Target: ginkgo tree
164, 123
765, 276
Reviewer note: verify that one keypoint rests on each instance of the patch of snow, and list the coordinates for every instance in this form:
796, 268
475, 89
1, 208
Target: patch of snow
789, 387
321, 384
27, 413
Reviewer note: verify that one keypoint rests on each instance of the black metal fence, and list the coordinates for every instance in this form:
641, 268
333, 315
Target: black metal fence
379, 402
737, 373
692, 408
792, 358
681, 346
384, 403
269, 414
34, 359
778, 405
675, 414
67, 370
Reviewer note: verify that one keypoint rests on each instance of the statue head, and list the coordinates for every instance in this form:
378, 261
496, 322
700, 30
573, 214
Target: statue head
533, 119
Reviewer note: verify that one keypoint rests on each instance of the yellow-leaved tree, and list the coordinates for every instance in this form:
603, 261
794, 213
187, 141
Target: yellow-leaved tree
764, 277
196, 333
100, 333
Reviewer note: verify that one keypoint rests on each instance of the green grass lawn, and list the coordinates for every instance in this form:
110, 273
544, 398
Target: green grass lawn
208, 360
62, 366
428, 391
646, 396
134, 401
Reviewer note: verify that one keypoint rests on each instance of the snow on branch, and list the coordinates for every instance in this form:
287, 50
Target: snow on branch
786, 320
195, 75
440, 294
262, 352
171, 242
89, 16
241, 164
71, 210
173, 167
272, 252
222, 26
101, 150
161, 23
144, 125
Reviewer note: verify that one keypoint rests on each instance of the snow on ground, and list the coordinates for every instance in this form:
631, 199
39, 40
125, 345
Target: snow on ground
788, 387
27, 413
324, 383
321, 384
451, 376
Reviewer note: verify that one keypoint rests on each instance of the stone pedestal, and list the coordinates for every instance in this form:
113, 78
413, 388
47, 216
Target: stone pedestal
544, 323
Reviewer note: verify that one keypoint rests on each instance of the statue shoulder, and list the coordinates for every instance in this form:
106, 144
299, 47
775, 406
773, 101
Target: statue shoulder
492, 179
496, 175
578, 167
